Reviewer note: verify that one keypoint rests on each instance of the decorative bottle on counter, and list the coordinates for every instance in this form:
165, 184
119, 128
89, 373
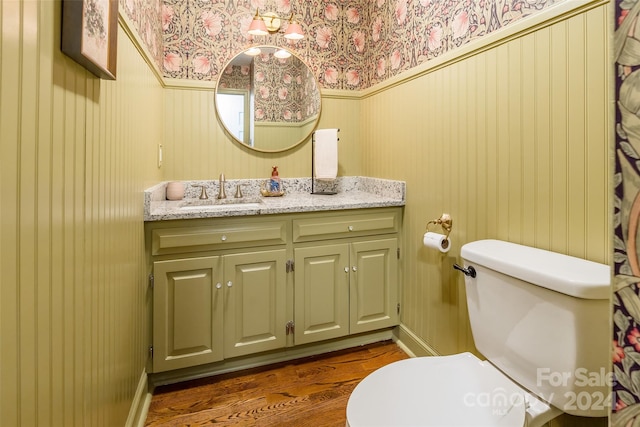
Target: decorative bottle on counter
274, 182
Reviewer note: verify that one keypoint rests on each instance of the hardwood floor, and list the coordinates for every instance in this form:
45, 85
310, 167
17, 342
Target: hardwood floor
307, 392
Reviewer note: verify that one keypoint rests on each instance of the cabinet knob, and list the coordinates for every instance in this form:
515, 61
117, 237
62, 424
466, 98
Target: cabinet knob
229, 284
354, 268
218, 285
346, 269
223, 238
350, 228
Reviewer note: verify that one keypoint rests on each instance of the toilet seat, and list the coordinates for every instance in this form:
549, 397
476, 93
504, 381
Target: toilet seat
441, 391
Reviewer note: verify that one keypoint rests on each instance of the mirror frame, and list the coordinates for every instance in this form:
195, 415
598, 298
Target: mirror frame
243, 144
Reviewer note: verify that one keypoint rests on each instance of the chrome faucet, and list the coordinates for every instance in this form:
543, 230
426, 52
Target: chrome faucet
221, 193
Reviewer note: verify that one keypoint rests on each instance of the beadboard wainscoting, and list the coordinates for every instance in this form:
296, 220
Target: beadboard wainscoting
512, 137
513, 141
75, 156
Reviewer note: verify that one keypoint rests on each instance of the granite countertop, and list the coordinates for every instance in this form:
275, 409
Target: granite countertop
352, 193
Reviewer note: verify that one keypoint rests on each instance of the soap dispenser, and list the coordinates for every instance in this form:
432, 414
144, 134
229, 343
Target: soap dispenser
274, 182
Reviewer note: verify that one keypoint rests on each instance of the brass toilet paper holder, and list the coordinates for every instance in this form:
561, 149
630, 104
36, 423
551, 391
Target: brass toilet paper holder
445, 222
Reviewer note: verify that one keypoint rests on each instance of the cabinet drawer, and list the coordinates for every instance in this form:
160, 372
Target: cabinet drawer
192, 239
345, 226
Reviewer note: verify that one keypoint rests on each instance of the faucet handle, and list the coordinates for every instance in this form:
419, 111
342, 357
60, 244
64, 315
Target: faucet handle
238, 191
203, 192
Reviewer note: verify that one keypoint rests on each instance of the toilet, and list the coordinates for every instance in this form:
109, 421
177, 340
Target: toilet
541, 321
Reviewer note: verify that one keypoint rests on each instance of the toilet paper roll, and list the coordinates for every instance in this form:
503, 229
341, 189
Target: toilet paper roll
436, 241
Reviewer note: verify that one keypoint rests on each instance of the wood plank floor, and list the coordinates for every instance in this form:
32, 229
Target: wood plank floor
307, 392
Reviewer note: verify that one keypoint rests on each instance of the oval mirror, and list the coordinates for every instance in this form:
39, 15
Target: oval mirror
268, 99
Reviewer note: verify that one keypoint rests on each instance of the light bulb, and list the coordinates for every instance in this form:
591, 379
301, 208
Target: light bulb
282, 54
253, 51
294, 31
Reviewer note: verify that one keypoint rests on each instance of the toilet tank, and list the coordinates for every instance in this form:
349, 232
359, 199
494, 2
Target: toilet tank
543, 319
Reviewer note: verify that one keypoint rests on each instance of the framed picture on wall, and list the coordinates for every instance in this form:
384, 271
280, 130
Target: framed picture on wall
89, 34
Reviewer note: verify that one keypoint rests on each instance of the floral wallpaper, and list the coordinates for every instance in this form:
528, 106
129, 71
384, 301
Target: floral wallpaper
626, 299
236, 77
349, 45
145, 16
282, 90
402, 34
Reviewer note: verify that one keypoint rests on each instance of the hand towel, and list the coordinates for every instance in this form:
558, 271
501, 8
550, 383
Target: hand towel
326, 154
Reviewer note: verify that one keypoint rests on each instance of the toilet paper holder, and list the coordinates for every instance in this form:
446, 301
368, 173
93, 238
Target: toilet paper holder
445, 222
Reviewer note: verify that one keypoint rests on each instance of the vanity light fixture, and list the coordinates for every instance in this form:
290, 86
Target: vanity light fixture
258, 27
282, 54
270, 23
294, 30
253, 51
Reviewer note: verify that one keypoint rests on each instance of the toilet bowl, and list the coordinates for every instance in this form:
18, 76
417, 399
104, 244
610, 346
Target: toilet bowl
537, 316
444, 391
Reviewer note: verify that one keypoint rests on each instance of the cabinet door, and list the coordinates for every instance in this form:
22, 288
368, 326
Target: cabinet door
255, 302
187, 313
321, 293
374, 285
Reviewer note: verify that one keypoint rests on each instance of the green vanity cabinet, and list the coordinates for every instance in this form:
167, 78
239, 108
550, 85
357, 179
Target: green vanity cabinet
187, 312
321, 292
345, 285
255, 302
374, 285
219, 289
207, 309
234, 287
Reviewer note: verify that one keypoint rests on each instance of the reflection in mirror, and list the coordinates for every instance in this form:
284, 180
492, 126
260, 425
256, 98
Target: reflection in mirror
269, 100
235, 107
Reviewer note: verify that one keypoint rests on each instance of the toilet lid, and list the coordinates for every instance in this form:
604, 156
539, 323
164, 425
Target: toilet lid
442, 391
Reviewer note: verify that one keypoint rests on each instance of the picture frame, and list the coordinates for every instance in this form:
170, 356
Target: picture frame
90, 35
